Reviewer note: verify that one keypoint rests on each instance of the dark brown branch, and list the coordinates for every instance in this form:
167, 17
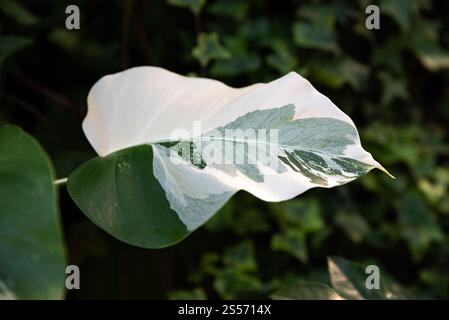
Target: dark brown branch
28, 107
143, 36
49, 93
127, 13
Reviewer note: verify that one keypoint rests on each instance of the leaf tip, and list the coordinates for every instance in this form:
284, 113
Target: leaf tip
381, 168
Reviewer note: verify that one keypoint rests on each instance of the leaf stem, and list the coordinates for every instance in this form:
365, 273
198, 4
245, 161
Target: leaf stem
58, 182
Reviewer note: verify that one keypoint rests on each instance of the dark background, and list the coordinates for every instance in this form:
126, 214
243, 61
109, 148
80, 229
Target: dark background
393, 82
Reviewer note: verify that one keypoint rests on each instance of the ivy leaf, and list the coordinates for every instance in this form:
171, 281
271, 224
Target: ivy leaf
11, 44
425, 44
236, 65
167, 162
400, 11
293, 242
194, 5
31, 249
393, 88
432, 56
354, 225
349, 280
282, 59
234, 9
338, 72
306, 290
18, 12
314, 36
209, 48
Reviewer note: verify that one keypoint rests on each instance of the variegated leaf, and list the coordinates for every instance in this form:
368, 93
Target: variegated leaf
208, 141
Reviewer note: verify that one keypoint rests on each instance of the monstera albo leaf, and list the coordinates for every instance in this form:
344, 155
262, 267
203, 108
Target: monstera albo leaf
172, 150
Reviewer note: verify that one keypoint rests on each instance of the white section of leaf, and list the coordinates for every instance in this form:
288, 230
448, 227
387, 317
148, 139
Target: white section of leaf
145, 104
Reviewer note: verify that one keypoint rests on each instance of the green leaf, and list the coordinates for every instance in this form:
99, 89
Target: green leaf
65, 38
194, 5
237, 278
418, 226
235, 9
426, 45
393, 88
314, 36
399, 10
306, 290
18, 12
31, 249
11, 44
432, 56
209, 48
234, 66
282, 59
6, 293
293, 242
120, 194
304, 214
195, 294
353, 225
338, 72
349, 280
389, 55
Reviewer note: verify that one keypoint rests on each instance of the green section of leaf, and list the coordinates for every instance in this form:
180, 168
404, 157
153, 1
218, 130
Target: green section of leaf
209, 48
194, 5
306, 290
31, 248
18, 12
120, 194
11, 44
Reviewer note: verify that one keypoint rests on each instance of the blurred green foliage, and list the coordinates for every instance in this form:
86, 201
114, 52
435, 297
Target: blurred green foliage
393, 82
